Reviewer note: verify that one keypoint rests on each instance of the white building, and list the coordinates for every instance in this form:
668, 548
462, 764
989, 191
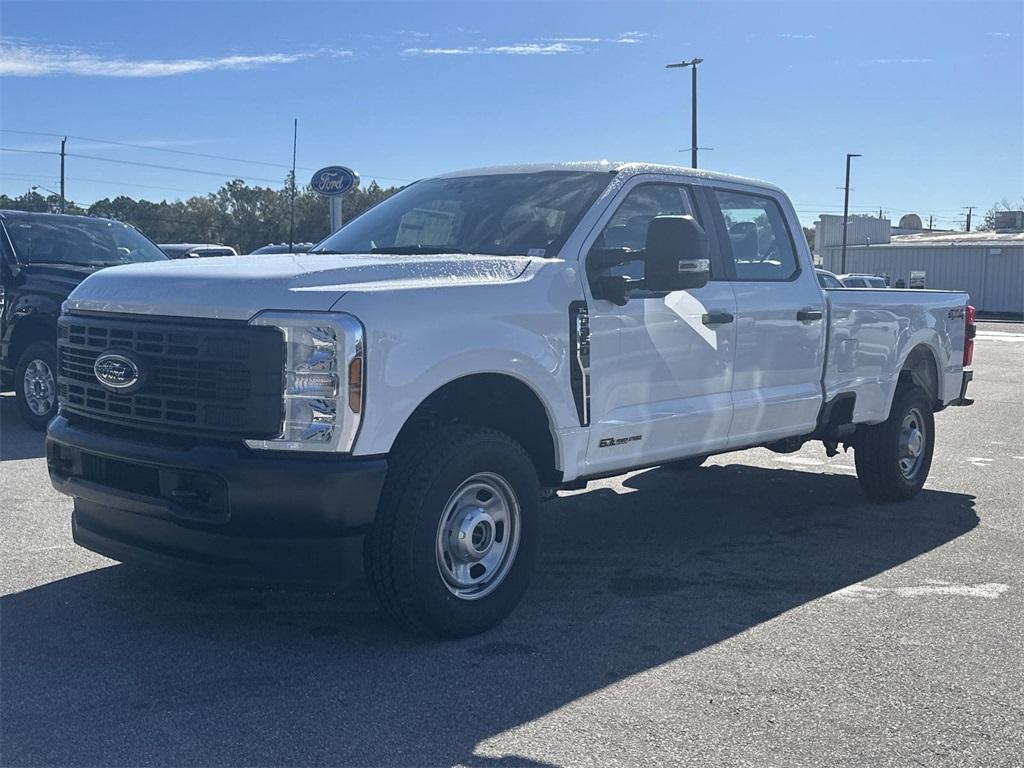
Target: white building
988, 265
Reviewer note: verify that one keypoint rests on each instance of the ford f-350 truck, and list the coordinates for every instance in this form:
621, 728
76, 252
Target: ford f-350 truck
400, 399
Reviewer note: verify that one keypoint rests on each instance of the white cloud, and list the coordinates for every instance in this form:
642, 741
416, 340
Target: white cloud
796, 36
521, 49
900, 61
630, 37
25, 59
573, 39
999, 34
546, 46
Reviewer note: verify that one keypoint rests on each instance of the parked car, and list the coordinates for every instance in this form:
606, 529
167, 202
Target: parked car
196, 250
275, 248
401, 398
863, 281
43, 256
827, 280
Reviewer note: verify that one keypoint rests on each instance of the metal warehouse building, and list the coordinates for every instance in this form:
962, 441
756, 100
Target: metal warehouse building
988, 265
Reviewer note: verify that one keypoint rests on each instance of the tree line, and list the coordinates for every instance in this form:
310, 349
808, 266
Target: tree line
242, 216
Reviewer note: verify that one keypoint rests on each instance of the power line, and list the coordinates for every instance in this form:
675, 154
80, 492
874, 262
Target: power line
28, 151
182, 152
173, 168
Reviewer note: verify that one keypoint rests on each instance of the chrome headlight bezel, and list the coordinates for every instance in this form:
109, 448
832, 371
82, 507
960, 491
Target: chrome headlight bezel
332, 417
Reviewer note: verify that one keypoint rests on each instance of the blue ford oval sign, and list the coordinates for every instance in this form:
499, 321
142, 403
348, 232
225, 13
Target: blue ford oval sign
115, 371
334, 181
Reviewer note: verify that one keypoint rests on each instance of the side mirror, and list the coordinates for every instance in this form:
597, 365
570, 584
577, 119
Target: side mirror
677, 254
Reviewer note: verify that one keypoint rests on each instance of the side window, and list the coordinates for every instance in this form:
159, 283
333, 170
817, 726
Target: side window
761, 246
827, 281
627, 228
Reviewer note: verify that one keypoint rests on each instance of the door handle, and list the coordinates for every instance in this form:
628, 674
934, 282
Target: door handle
809, 315
717, 318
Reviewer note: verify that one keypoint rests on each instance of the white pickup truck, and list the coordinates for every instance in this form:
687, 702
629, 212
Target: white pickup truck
402, 398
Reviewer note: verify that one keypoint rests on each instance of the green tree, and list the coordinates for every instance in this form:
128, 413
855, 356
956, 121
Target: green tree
242, 216
989, 223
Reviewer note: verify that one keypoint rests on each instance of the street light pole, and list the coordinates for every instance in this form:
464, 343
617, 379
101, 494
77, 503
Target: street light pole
693, 105
846, 209
63, 143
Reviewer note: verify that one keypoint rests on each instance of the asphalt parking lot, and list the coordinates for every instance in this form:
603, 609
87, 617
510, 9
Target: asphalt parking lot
754, 612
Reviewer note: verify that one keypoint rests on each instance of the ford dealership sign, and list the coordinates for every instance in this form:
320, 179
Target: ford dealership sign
334, 181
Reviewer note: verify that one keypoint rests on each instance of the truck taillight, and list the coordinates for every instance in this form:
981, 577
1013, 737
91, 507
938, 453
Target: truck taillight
969, 331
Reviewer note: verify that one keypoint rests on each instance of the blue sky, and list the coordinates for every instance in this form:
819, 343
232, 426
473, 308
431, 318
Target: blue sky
931, 94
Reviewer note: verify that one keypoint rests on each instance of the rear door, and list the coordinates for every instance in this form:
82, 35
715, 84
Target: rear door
780, 317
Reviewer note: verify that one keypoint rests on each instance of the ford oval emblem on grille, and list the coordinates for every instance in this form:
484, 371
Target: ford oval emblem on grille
115, 371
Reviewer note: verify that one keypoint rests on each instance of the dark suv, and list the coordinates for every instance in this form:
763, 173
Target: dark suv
43, 257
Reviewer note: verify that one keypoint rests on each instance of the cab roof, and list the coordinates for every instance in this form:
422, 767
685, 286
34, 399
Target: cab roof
626, 168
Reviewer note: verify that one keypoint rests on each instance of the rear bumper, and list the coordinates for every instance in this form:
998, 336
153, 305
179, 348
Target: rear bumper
221, 512
964, 399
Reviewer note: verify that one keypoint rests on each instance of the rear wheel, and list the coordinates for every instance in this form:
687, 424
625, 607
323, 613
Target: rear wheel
454, 543
893, 458
35, 384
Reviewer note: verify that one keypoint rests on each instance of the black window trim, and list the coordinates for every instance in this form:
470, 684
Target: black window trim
727, 243
701, 212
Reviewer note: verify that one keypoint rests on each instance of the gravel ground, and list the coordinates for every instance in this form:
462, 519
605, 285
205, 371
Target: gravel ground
754, 612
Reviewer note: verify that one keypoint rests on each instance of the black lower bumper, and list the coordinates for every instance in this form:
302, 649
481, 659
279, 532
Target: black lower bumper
224, 512
964, 399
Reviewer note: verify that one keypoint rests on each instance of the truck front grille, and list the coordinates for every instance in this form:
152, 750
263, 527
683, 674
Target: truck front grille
205, 377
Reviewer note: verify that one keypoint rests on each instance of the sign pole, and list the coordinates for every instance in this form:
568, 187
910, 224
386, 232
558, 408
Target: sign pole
336, 214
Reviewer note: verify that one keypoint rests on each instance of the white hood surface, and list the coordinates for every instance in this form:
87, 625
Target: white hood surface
238, 287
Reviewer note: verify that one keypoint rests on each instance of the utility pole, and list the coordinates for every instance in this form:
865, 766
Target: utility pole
969, 209
291, 224
846, 209
693, 106
930, 217
63, 144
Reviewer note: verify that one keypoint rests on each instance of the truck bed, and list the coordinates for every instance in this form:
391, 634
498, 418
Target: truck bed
871, 334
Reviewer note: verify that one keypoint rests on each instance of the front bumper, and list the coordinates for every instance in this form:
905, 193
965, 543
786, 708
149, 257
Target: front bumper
218, 511
964, 399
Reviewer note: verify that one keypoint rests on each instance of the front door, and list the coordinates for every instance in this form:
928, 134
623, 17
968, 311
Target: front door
661, 366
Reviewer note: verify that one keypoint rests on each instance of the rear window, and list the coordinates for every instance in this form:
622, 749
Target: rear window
758, 237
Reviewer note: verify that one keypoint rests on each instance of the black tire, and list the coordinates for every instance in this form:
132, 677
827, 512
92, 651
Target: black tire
877, 449
402, 549
36, 354
685, 465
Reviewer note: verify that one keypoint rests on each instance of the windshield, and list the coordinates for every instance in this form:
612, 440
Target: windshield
87, 242
528, 214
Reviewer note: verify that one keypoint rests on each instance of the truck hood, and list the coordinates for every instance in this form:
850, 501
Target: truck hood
238, 287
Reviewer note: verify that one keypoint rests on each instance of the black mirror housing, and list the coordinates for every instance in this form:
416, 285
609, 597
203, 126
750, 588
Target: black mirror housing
677, 254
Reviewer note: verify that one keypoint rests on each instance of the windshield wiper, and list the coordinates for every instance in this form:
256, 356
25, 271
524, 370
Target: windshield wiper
66, 263
409, 250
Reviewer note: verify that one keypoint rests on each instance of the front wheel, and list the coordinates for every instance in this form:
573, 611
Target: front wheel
455, 540
893, 458
35, 384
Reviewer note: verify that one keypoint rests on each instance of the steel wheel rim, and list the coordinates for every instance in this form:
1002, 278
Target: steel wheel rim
478, 536
912, 442
40, 388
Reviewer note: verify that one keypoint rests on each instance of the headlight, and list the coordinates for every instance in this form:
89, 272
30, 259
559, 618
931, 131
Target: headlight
323, 381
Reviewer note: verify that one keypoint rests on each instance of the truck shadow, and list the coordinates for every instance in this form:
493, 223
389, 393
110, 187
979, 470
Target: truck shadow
118, 667
17, 440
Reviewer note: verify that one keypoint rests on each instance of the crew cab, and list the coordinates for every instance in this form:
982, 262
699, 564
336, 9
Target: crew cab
400, 399
43, 256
